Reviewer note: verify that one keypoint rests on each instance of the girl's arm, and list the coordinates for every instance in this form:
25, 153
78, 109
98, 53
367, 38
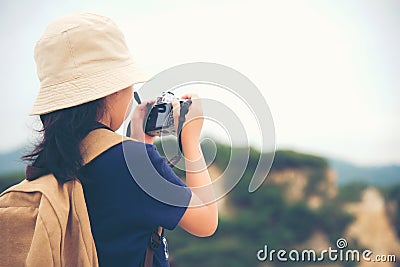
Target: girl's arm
201, 217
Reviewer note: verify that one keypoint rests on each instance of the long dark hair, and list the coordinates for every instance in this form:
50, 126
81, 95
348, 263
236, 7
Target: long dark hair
63, 130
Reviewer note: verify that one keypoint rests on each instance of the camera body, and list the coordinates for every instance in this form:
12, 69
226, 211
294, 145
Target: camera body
160, 119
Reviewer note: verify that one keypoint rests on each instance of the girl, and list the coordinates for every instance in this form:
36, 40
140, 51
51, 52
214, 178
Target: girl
87, 76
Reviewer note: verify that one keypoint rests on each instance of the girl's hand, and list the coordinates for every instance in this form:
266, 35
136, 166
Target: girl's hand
194, 119
138, 117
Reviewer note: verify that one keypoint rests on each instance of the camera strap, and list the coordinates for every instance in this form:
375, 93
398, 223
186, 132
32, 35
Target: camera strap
137, 99
181, 120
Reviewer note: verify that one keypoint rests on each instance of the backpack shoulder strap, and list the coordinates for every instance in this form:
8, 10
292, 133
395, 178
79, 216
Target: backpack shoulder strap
99, 141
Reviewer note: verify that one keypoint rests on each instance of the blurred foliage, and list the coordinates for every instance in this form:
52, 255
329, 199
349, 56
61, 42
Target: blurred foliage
7, 180
392, 196
351, 192
332, 220
316, 176
285, 159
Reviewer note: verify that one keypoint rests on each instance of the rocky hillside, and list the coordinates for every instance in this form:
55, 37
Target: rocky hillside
372, 227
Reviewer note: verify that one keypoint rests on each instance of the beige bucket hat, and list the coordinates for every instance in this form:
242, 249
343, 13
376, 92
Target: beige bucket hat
80, 58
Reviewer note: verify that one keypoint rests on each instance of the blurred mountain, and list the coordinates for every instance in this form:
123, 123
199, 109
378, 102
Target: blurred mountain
12, 168
376, 176
346, 172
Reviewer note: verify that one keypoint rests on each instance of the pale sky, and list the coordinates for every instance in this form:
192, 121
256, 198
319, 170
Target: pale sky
329, 70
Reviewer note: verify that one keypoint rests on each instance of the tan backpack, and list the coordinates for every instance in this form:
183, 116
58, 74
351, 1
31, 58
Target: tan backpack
43, 223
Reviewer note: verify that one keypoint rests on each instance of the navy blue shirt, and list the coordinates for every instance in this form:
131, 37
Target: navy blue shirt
122, 215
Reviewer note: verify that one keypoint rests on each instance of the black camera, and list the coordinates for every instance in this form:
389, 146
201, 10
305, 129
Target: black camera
160, 119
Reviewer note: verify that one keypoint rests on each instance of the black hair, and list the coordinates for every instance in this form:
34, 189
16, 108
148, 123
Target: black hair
63, 130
